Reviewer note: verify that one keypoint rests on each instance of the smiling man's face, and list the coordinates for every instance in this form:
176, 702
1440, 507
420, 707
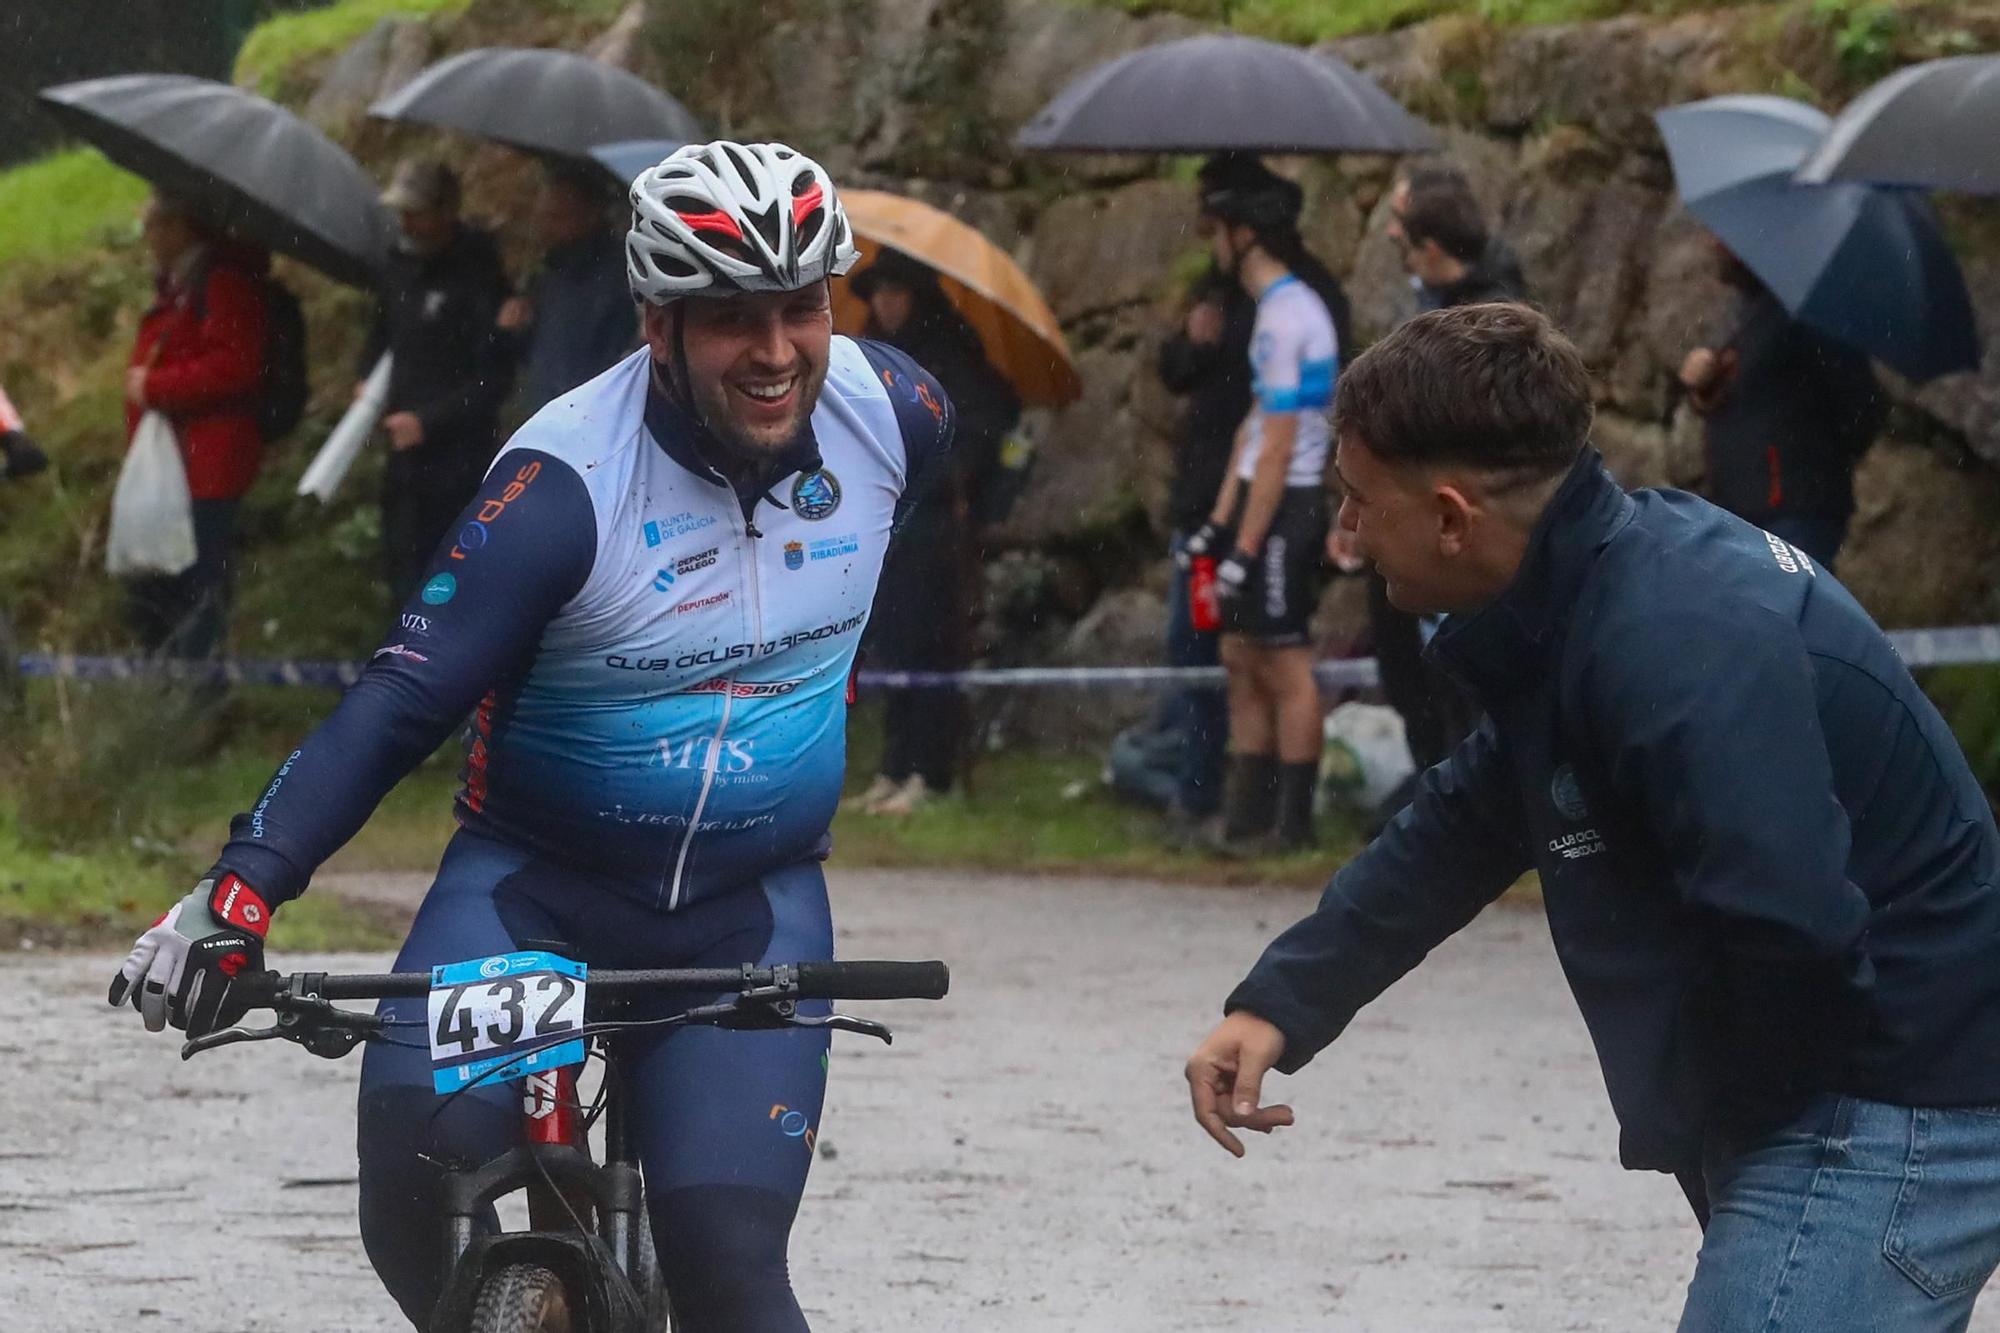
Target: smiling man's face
755, 362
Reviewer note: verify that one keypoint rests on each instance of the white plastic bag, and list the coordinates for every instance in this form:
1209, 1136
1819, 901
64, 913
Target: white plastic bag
1366, 755
152, 514
329, 466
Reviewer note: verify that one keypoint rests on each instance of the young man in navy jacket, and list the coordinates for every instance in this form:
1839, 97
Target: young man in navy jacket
1770, 874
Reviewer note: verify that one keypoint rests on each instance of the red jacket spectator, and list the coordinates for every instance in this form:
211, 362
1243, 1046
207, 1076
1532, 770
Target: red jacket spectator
204, 342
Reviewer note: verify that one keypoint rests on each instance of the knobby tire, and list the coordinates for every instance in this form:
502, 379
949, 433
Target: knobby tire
523, 1298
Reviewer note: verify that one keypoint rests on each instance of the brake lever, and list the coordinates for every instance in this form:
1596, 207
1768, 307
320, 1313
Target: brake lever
209, 1041
322, 1028
770, 1016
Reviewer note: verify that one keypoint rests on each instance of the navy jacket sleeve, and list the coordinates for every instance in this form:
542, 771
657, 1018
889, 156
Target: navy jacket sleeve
1453, 850
1715, 737
525, 546
923, 412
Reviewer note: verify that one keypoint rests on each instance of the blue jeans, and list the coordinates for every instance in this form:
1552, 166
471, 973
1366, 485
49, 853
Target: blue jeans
1201, 716
1857, 1217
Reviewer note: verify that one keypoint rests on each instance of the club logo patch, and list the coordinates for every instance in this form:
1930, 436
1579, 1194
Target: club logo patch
815, 495
1567, 794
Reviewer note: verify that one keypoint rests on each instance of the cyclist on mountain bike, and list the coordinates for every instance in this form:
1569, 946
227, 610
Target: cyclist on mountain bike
650, 610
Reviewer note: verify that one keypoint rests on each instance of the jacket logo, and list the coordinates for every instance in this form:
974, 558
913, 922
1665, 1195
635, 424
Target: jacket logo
795, 555
815, 495
1790, 558
1567, 795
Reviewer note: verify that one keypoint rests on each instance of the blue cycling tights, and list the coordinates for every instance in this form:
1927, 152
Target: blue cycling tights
723, 1122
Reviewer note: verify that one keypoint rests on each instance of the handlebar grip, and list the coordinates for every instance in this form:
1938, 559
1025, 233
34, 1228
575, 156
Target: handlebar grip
874, 981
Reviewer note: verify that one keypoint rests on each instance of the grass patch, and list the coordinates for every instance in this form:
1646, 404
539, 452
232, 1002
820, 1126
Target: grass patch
278, 43
1306, 21
115, 796
65, 203
1048, 813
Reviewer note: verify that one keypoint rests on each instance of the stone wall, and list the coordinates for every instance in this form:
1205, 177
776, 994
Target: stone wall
1554, 126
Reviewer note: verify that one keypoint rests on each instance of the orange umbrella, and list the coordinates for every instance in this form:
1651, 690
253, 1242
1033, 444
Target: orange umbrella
1022, 338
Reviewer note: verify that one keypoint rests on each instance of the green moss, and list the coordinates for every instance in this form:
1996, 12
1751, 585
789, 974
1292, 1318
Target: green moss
1307, 21
277, 44
64, 204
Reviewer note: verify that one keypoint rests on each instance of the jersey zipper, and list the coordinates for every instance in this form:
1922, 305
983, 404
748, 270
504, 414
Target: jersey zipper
713, 761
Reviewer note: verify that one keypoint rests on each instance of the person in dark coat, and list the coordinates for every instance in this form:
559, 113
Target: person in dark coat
437, 315
576, 317
922, 619
1208, 360
1453, 260
1786, 413
199, 361
1772, 878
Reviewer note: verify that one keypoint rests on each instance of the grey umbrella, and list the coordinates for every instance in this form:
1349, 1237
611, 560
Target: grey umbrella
247, 165
541, 101
628, 158
1929, 125
1865, 266
1208, 94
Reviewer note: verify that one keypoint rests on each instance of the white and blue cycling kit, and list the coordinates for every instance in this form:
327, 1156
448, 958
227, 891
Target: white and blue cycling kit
655, 662
1294, 354
656, 666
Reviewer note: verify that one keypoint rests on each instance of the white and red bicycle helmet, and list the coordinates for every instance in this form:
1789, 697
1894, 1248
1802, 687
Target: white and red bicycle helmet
726, 217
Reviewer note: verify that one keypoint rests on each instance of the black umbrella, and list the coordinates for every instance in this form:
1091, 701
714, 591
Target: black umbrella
246, 165
1209, 94
540, 101
1929, 125
1866, 266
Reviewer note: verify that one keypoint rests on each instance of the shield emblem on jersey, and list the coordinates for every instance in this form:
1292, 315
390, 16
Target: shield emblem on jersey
795, 555
815, 495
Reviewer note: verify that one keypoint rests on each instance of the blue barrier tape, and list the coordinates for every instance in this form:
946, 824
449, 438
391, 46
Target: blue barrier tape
1957, 645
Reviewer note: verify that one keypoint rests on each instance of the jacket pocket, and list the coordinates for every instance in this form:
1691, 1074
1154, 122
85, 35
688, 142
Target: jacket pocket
1942, 1232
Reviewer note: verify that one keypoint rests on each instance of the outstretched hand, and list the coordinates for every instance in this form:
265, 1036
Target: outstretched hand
1225, 1079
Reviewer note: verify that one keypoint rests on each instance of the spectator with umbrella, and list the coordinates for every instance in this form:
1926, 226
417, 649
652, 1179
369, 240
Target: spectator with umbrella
1826, 276
199, 361
1268, 525
922, 618
437, 316
223, 163
1208, 361
574, 317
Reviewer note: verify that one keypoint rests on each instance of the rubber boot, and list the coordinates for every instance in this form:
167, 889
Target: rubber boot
1296, 786
1250, 805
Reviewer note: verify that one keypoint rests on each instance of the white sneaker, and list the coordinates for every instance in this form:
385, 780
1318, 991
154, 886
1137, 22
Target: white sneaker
914, 794
880, 790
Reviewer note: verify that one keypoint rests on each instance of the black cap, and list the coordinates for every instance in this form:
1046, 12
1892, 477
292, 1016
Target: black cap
1238, 188
892, 265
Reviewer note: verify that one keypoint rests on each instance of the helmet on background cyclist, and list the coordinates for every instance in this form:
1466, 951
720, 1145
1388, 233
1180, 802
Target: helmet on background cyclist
720, 218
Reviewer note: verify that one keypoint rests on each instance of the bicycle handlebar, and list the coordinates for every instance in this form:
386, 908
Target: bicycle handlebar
804, 981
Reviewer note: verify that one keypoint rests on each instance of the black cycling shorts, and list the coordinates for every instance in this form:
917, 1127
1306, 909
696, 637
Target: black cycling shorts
1276, 605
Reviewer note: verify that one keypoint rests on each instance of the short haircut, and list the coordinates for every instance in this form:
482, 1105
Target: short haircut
1441, 208
1494, 386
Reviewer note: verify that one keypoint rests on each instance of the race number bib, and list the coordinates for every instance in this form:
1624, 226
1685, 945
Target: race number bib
510, 1010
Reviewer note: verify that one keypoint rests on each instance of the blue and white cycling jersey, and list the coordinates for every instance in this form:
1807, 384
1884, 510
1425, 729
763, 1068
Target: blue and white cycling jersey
656, 665
1294, 353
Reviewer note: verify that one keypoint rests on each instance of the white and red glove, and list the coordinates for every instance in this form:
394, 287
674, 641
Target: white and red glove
180, 970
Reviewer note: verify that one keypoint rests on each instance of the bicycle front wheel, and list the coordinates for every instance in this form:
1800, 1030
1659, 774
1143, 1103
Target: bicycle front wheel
522, 1298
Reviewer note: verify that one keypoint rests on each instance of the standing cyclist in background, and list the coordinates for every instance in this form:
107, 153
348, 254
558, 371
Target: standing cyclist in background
1270, 519
652, 604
